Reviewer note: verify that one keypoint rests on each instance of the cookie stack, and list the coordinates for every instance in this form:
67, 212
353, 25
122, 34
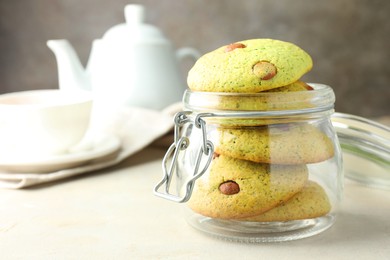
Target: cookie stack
259, 173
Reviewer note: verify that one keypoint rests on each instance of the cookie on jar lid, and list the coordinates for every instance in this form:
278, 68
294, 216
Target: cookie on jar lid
249, 66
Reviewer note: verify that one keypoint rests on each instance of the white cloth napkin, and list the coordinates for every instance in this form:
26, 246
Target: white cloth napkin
136, 128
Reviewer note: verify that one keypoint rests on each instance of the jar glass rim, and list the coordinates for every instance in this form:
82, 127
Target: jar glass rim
322, 96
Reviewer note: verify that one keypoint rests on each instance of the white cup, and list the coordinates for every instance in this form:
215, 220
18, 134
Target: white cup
42, 122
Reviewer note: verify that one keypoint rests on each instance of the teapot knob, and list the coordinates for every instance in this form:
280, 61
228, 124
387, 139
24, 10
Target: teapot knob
134, 14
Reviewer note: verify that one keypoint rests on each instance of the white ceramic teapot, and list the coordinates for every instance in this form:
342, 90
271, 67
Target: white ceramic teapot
132, 64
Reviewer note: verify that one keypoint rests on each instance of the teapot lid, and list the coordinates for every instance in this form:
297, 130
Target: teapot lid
134, 30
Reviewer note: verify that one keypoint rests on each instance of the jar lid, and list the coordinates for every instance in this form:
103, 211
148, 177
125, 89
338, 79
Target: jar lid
365, 146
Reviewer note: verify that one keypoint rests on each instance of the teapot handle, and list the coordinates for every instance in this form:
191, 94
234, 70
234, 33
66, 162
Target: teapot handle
187, 52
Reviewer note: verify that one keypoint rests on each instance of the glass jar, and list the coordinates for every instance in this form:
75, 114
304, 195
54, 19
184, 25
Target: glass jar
258, 167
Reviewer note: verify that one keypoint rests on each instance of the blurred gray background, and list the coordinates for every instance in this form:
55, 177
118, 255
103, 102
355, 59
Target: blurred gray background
347, 39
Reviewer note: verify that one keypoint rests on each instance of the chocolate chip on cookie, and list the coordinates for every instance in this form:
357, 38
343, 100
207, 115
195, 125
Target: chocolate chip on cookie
234, 46
229, 187
264, 70
308, 87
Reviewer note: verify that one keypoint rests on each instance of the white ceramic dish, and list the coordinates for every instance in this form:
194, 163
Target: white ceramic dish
42, 122
98, 149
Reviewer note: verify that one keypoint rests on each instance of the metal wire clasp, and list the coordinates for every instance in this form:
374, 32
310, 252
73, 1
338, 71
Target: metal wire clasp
181, 143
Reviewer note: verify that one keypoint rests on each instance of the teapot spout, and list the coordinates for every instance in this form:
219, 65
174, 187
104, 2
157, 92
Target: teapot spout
71, 74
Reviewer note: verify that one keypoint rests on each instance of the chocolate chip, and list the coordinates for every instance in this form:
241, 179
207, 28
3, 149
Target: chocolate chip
264, 70
229, 188
234, 46
308, 87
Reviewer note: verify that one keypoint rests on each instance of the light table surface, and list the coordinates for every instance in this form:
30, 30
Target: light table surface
113, 214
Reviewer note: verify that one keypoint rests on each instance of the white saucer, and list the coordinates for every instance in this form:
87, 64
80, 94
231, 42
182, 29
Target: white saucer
98, 148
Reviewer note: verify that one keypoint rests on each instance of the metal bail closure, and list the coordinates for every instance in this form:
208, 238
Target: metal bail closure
162, 189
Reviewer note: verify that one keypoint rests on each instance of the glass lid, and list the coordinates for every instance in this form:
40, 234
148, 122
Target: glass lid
366, 149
